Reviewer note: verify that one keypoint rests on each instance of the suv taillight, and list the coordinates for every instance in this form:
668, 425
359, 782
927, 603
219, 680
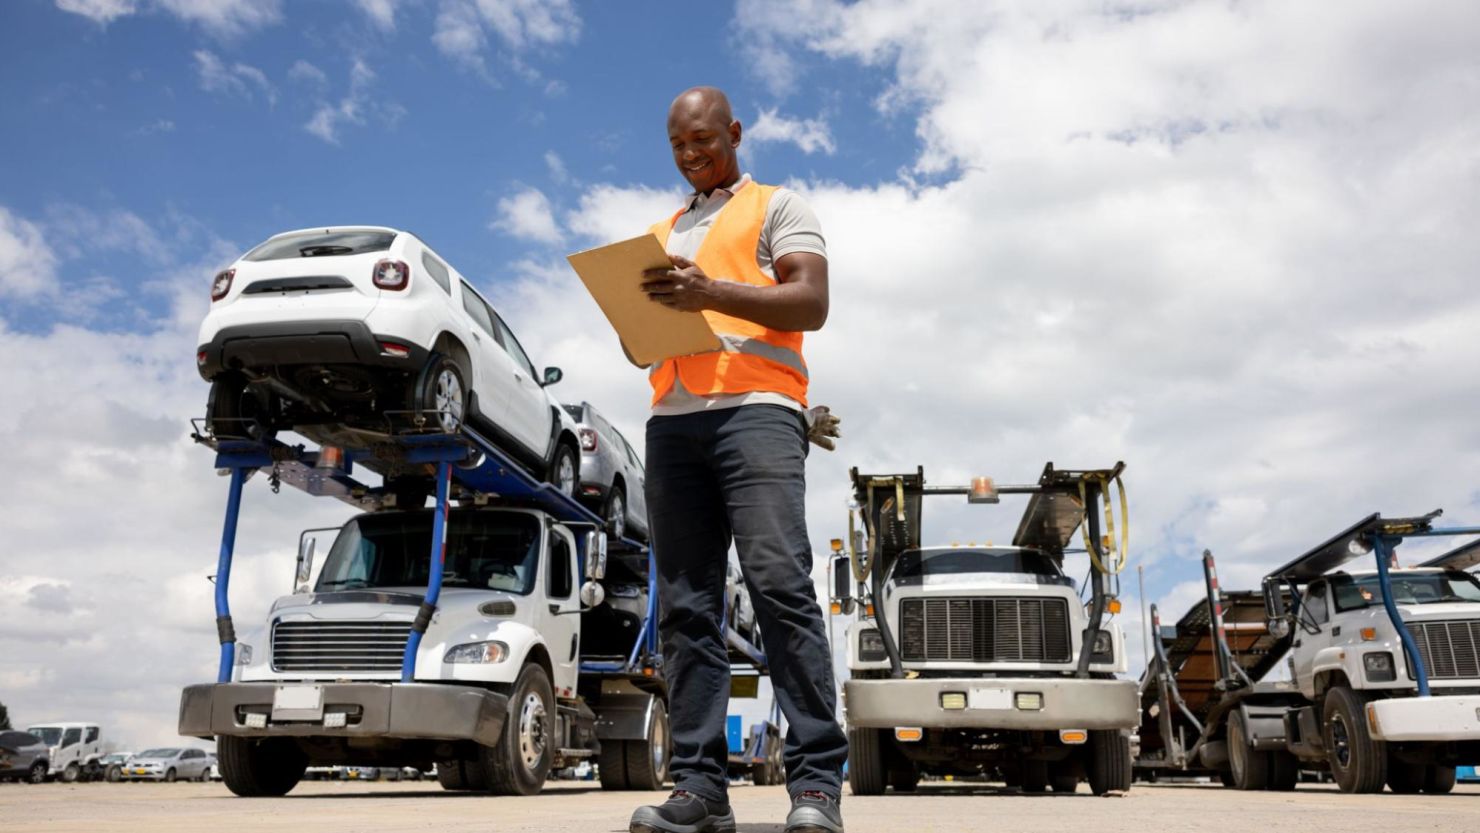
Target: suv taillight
391, 274
588, 439
222, 284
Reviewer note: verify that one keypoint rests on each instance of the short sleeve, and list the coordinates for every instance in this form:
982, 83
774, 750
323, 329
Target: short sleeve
791, 226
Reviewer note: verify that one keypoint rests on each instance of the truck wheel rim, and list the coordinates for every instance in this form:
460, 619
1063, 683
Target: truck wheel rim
660, 746
449, 399
618, 516
1340, 741
532, 730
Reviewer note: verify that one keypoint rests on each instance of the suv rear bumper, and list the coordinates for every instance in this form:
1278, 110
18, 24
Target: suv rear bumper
1440, 718
1066, 703
431, 711
268, 344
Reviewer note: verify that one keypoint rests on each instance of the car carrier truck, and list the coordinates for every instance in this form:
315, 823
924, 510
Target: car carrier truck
982, 660
494, 635
1384, 666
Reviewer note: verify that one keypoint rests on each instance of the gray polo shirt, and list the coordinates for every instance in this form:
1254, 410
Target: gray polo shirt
790, 226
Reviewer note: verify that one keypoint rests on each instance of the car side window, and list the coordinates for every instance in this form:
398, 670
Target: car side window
512, 345
437, 270
560, 582
632, 455
476, 308
71, 736
92, 734
1316, 604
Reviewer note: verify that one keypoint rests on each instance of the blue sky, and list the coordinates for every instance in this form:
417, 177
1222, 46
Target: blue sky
205, 127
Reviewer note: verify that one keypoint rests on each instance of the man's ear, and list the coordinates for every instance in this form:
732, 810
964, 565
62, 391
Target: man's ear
735, 133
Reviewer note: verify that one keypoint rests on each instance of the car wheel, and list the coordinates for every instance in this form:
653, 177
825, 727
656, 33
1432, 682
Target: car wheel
71, 773
37, 773
114, 774
234, 411
443, 391
169, 776
616, 512
565, 471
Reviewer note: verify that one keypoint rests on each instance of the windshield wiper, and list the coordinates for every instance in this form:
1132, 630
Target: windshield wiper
317, 251
345, 583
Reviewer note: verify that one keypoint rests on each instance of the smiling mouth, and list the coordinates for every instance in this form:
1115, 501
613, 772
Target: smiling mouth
696, 168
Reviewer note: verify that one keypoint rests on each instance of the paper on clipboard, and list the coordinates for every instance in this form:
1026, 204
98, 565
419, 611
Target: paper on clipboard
613, 274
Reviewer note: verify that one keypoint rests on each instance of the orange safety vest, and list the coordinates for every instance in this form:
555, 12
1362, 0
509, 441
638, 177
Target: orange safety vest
753, 357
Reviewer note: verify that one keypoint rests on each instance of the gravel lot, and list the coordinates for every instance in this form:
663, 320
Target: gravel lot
564, 806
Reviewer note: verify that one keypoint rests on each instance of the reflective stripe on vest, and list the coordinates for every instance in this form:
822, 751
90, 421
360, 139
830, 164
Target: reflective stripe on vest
752, 357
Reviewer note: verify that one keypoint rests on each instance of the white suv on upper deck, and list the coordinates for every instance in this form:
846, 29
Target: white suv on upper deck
327, 330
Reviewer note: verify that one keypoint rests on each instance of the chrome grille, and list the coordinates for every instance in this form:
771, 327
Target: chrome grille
984, 630
1450, 650
339, 646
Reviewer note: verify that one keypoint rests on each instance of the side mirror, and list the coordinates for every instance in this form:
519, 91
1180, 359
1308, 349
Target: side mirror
552, 375
595, 556
592, 595
842, 589
1274, 600
305, 563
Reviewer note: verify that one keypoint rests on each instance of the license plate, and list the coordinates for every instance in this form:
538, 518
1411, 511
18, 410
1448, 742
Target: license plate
298, 702
989, 698
140, 771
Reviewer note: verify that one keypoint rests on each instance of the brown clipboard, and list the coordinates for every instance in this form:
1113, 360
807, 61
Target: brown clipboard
651, 332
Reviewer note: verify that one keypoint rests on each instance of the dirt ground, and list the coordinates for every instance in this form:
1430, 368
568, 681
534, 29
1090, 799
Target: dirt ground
583, 807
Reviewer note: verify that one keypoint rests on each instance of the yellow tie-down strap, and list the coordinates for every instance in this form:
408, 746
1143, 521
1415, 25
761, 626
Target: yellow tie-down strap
1117, 552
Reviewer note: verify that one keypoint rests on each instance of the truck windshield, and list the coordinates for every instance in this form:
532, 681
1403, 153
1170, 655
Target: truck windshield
1353, 593
322, 244
496, 550
920, 563
50, 735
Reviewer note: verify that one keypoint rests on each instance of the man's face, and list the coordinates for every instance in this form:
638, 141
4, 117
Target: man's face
703, 144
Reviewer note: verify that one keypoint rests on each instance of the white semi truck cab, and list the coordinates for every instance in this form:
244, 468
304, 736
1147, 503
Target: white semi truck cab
966, 660
1386, 660
492, 635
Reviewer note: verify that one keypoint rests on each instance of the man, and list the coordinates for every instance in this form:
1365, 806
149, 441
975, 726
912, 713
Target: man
726, 448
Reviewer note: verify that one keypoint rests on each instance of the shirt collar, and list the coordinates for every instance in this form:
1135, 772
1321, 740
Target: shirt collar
697, 199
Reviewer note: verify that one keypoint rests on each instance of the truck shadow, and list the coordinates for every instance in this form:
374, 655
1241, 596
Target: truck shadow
419, 794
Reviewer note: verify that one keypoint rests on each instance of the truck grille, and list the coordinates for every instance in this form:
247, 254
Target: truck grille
1450, 650
339, 646
984, 630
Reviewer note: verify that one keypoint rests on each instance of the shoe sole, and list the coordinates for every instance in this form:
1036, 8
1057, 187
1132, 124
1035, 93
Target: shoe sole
711, 824
814, 828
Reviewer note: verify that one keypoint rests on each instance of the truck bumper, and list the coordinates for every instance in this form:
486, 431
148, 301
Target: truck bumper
1443, 718
993, 703
429, 711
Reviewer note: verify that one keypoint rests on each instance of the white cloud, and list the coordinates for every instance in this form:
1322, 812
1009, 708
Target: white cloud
101, 11
527, 215
357, 107
556, 166
611, 212
237, 79
222, 18
809, 135
156, 126
27, 262
304, 72
463, 28
381, 12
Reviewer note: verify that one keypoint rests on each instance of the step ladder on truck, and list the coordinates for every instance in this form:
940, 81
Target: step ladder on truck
982, 660
497, 635
1365, 649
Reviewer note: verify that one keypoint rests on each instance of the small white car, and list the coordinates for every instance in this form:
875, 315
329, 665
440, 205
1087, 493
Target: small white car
169, 764
335, 332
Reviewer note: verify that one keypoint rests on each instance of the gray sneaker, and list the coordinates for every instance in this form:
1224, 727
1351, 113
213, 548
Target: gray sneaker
814, 812
684, 812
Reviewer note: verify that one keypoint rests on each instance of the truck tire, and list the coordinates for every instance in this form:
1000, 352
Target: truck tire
1284, 771
611, 765
1438, 779
453, 775
1358, 763
254, 768
71, 773
904, 776
1109, 761
1405, 778
647, 759
520, 762
1035, 777
865, 761
1250, 766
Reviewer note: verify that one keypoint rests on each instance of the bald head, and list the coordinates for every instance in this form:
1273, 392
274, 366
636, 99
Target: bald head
704, 136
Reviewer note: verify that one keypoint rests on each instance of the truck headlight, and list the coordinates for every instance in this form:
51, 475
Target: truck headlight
243, 653
478, 653
1103, 648
1379, 667
871, 646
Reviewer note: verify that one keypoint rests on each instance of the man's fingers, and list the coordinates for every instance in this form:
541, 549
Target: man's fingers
680, 262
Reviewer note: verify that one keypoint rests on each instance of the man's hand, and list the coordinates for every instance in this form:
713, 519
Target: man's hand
685, 287
822, 427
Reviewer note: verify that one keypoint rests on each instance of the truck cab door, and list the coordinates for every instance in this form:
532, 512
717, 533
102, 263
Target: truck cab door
1315, 615
559, 619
